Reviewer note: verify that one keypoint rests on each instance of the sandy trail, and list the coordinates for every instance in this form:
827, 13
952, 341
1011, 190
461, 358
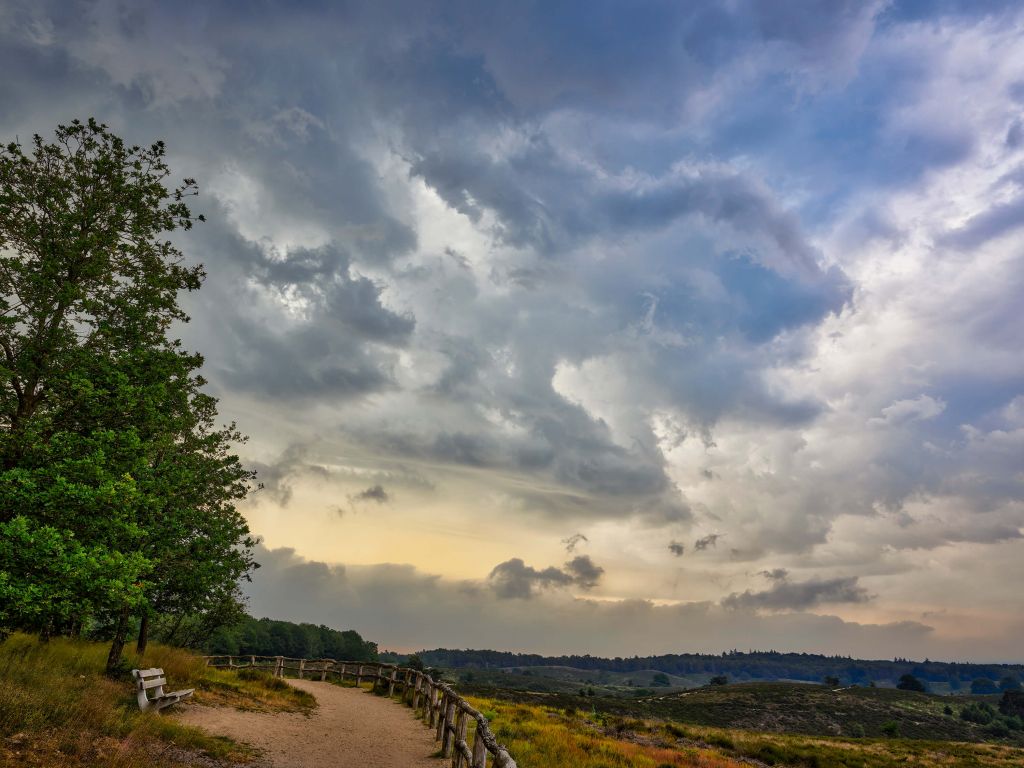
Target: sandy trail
350, 728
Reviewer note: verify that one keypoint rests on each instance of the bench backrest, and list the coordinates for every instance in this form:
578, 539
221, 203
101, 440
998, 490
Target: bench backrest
149, 680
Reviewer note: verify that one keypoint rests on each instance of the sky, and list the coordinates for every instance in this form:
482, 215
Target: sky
597, 327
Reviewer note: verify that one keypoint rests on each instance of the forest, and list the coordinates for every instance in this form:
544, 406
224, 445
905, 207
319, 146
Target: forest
738, 665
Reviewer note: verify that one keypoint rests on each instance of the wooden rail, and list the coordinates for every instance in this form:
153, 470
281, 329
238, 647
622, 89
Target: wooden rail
444, 710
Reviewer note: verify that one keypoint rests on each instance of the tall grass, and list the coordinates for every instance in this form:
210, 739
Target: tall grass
58, 709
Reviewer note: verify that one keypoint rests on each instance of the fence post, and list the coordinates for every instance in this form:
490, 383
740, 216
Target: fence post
302, 667
479, 749
449, 727
416, 691
460, 738
393, 680
442, 712
359, 676
323, 672
279, 666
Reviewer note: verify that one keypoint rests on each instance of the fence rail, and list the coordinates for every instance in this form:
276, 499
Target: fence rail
444, 710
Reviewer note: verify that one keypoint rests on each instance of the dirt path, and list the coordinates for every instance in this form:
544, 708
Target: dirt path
350, 728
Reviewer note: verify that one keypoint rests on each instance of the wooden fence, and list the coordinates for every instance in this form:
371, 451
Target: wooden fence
437, 703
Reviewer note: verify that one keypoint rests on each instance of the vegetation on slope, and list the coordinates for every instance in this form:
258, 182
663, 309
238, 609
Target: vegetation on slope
57, 708
697, 668
546, 736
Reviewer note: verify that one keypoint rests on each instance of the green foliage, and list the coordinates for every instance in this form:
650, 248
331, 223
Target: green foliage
910, 683
267, 637
1010, 683
831, 681
1012, 703
719, 680
117, 491
978, 712
891, 728
660, 679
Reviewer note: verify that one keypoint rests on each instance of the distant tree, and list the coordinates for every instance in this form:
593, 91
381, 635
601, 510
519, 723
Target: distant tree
947, 710
414, 662
891, 728
831, 681
1010, 683
718, 680
857, 731
660, 679
983, 685
910, 683
1012, 703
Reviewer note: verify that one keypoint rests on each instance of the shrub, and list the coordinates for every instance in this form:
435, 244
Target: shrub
978, 712
910, 683
718, 680
857, 731
891, 728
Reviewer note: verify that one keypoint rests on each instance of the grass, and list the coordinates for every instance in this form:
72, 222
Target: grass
58, 709
546, 737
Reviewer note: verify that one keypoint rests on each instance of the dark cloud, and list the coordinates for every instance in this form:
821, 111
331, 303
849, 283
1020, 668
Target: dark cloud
785, 595
711, 540
585, 573
573, 541
775, 574
374, 493
676, 548
514, 579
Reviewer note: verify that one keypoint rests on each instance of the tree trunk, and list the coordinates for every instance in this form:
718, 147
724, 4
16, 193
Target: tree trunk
140, 646
117, 645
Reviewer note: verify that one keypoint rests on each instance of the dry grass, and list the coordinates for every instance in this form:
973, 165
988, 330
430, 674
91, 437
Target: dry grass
58, 709
543, 737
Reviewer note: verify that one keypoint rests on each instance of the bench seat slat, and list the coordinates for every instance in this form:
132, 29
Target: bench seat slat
148, 679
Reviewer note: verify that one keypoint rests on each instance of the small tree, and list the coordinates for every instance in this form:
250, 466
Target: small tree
660, 679
831, 681
1009, 683
910, 683
718, 680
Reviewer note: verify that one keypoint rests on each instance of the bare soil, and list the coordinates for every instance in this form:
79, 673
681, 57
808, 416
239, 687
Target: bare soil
350, 728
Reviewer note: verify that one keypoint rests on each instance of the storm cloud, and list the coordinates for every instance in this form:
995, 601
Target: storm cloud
752, 284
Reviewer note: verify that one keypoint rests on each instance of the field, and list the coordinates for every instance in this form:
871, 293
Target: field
543, 736
58, 709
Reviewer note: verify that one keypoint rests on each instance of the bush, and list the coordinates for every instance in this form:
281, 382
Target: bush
857, 731
718, 680
891, 728
660, 680
910, 683
978, 712
1012, 703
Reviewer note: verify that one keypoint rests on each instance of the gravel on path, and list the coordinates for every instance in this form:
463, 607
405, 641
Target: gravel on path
350, 728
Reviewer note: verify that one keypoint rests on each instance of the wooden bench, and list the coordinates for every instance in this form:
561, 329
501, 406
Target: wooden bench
147, 680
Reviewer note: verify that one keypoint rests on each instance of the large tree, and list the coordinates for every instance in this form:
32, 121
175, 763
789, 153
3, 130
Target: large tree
111, 467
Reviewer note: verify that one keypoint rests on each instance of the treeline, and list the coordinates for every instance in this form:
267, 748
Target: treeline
268, 637
118, 485
737, 665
